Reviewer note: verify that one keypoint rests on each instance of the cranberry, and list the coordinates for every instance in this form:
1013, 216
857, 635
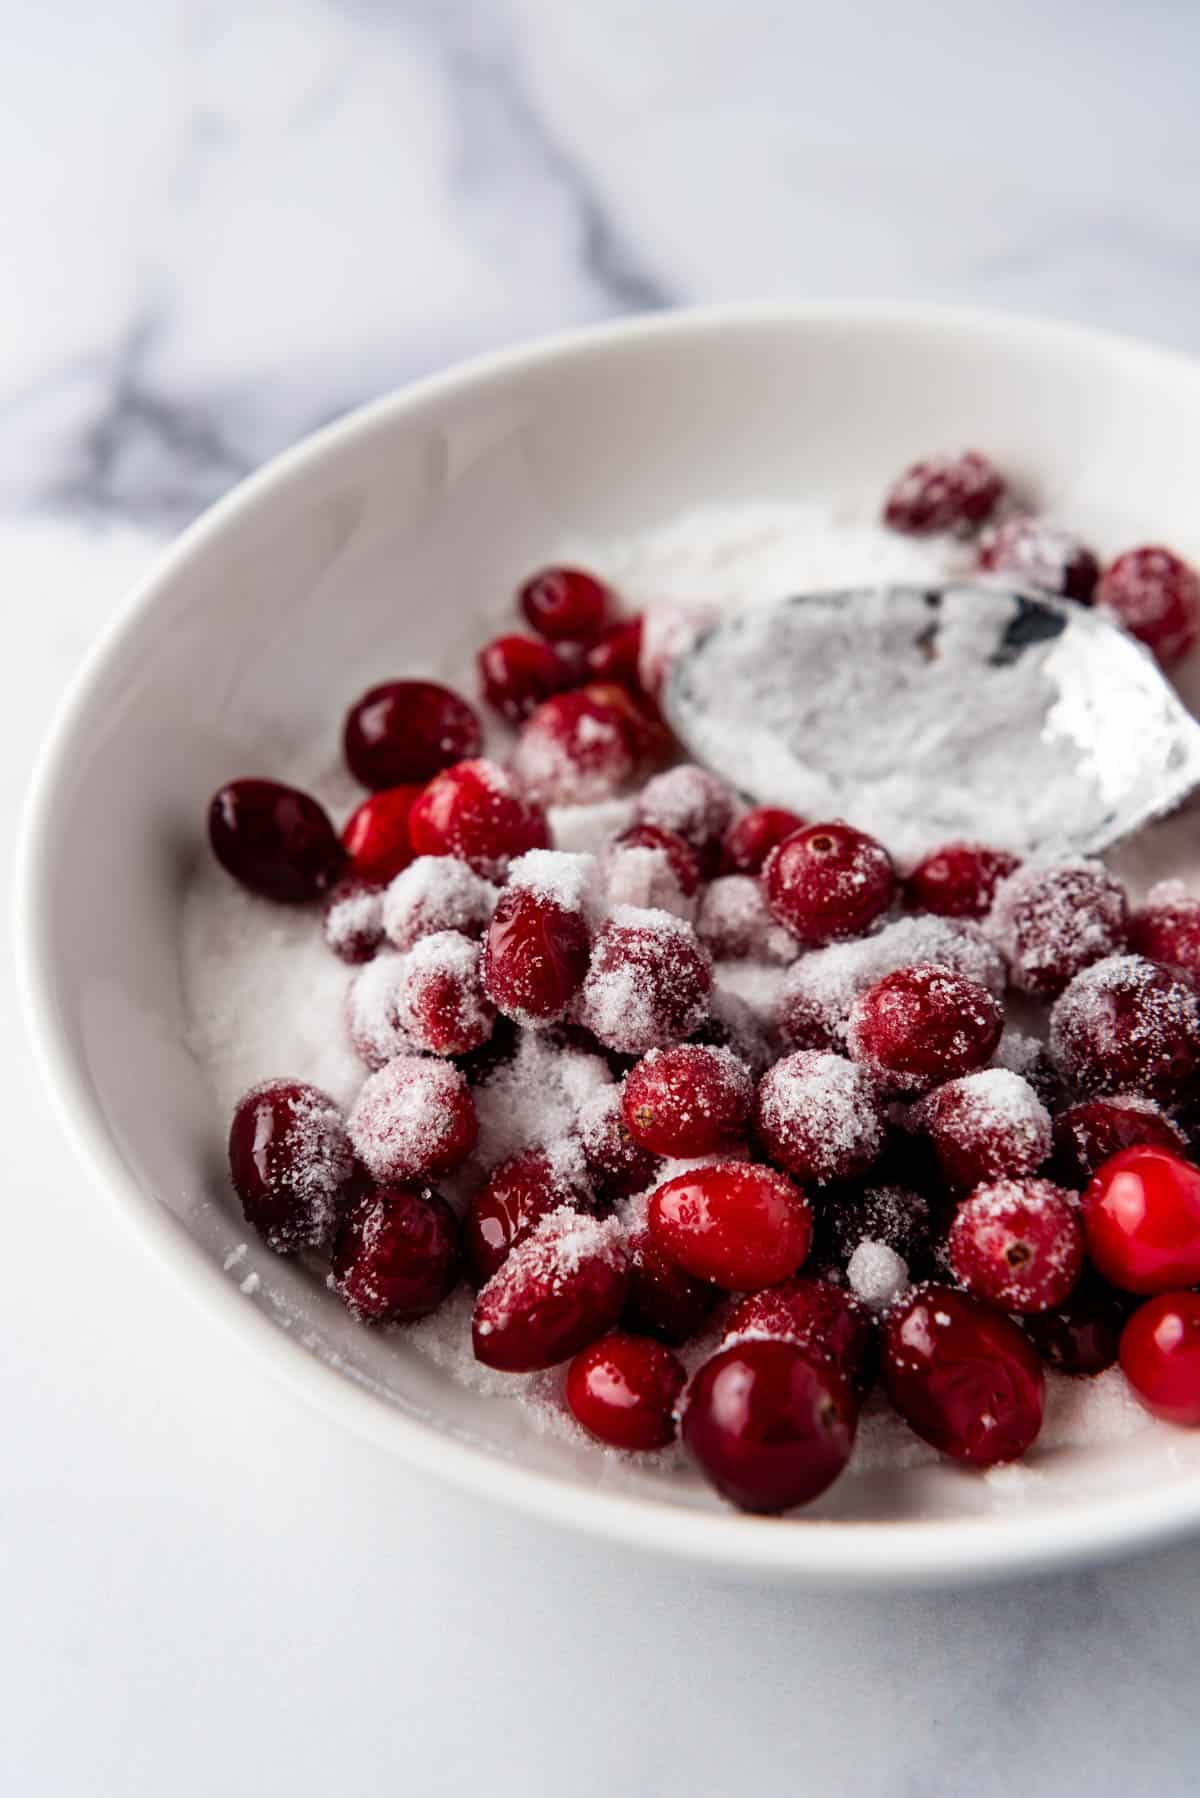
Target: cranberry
960, 879
436, 893
516, 674
692, 803
750, 840
536, 956
476, 812
1127, 1024
275, 840
985, 1126
818, 1116
828, 881
403, 732
823, 1319
687, 1101
923, 1025
290, 1161
770, 1424
1167, 928
514, 1198
1051, 922
580, 747
1018, 1244
648, 982
944, 493
1041, 556
1141, 1213
737, 1225
623, 1390
680, 857
1080, 1335
1156, 596
565, 604
898, 1217
353, 921
440, 1002
1160, 1356
376, 837
963, 1376
651, 870
734, 924
617, 1165
373, 1011
1088, 1135
615, 655
413, 1120
557, 1291
397, 1254
662, 1299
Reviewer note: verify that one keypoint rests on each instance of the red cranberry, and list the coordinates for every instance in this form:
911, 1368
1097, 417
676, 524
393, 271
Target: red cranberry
960, 880
275, 840
623, 1390
615, 655
828, 881
687, 1101
1127, 1024
963, 1376
517, 673
436, 893
376, 835
290, 1161
1167, 928
580, 747
475, 811
397, 1254
403, 732
694, 805
413, 1120
681, 858
1088, 1135
1081, 1335
1156, 596
734, 924
565, 604
1160, 1356
353, 922
818, 1116
825, 1320
440, 1002
1051, 922
986, 1126
922, 1025
617, 1165
535, 957
944, 493
514, 1198
737, 1225
651, 870
662, 1299
557, 1291
648, 982
770, 1425
750, 840
1041, 556
1018, 1244
1141, 1213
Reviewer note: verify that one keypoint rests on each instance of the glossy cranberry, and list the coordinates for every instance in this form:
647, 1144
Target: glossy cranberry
397, 1254
557, 1291
662, 1299
581, 747
1167, 928
985, 1126
770, 1425
923, 1025
1155, 594
435, 893
617, 1165
565, 604
1018, 1244
1126, 1024
751, 838
960, 879
687, 1101
615, 655
290, 1161
516, 674
828, 881
944, 493
1089, 1134
1040, 556
693, 804
1141, 1213
648, 982
1160, 1356
623, 1390
275, 840
403, 732
1081, 1335
823, 1319
353, 921
963, 1376
1049, 922
376, 835
535, 956
818, 1116
413, 1120
735, 1224
440, 1002
476, 812
514, 1198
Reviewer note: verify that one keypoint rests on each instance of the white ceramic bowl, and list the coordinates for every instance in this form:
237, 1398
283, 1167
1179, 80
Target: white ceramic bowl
389, 528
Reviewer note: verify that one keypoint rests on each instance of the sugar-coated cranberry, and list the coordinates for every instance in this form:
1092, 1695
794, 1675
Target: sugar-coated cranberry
962, 1375
1167, 927
516, 674
1081, 1335
565, 604
1155, 594
373, 1011
818, 1116
1049, 922
735, 924
751, 838
376, 835
557, 1291
648, 982
923, 1025
274, 840
1089, 1134
694, 805
735, 1224
828, 881
623, 1390
662, 1298
581, 747
1160, 1356
1041, 556
1141, 1213
291, 1162
824, 1319
353, 922
397, 1254
770, 1424
435, 893
1018, 1244
513, 1200
681, 857
476, 812
944, 493
535, 955
617, 1165
403, 732
899, 1217
650, 869
687, 1101
985, 1126
1126, 1024
413, 1120
960, 879
440, 1002
615, 654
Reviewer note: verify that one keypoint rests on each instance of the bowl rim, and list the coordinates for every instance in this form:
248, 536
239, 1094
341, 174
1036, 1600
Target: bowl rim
834, 1553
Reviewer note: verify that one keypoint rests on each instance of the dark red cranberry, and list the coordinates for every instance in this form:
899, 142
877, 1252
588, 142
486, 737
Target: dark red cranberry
828, 881
615, 655
986, 1126
617, 1165
475, 811
376, 835
1156, 595
694, 805
401, 733
440, 1003
923, 1025
681, 857
1088, 1135
826, 1320
623, 1390
535, 956
663, 1299
1081, 1335
897, 1216
751, 838
1160, 1356
353, 921
963, 1376
1128, 1024
960, 879
770, 1425
413, 1120
1167, 928
517, 673
397, 1254
648, 983
735, 1224
819, 1116
275, 840
687, 1101
514, 1198
944, 493
1049, 922
557, 1291
291, 1163
1141, 1213
1040, 556
1018, 1244
581, 747
565, 604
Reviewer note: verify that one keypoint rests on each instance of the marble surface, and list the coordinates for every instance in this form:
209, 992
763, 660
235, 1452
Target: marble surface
224, 225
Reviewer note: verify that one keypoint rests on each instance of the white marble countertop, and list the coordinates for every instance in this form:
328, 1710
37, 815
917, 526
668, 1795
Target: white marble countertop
222, 226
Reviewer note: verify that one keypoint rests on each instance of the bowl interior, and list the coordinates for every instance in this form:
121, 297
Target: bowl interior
376, 550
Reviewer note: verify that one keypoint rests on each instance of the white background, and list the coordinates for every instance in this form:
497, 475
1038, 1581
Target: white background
222, 225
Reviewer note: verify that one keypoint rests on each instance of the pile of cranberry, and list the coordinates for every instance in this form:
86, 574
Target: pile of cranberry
966, 1203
